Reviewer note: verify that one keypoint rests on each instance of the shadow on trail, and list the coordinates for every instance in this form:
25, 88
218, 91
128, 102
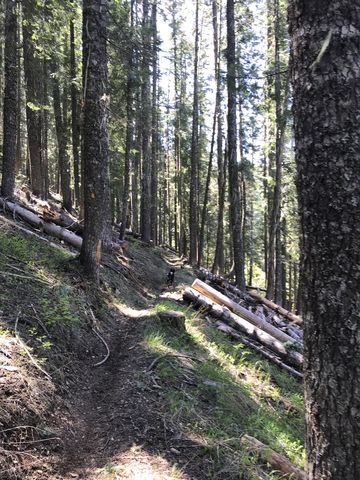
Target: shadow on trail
117, 427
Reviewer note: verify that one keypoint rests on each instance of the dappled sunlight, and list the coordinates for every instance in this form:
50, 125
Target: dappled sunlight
132, 312
139, 464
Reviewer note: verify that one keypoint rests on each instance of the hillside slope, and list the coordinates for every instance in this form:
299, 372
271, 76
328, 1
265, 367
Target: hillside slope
166, 404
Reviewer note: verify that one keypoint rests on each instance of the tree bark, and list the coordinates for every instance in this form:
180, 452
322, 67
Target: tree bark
194, 154
32, 67
234, 191
75, 118
61, 133
325, 77
145, 213
10, 100
277, 308
47, 227
95, 135
129, 132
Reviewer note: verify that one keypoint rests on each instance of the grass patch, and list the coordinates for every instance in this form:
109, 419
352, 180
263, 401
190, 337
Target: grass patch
218, 391
39, 287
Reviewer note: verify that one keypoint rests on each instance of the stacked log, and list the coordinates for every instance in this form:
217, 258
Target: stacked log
47, 227
221, 299
223, 313
277, 308
275, 314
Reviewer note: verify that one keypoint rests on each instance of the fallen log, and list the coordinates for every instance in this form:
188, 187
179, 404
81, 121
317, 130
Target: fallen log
221, 299
277, 308
225, 285
223, 327
47, 227
63, 219
277, 461
218, 311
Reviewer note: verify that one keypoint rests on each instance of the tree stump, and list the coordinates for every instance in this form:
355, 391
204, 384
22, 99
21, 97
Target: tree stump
173, 319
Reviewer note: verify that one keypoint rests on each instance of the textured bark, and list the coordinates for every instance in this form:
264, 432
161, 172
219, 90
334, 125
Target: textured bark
10, 100
95, 135
61, 134
325, 77
75, 119
235, 201
277, 308
154, 129
219, 259
48, 227
129, 135
145, 213
45, 130
32, 67
194, 171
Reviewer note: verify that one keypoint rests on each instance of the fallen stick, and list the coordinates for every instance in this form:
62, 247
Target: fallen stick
277, 461
103, 341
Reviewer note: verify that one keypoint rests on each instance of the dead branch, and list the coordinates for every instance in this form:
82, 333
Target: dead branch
103, 341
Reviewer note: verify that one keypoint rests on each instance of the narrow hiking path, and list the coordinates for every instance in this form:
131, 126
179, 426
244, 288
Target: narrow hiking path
167, 404
115, 426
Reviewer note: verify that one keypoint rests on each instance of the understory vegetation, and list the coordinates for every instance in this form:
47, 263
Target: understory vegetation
210, 390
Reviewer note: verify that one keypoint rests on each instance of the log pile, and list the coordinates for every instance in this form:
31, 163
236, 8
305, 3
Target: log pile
264, 329
34, 220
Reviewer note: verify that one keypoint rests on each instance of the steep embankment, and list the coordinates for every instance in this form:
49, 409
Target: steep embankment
165, 404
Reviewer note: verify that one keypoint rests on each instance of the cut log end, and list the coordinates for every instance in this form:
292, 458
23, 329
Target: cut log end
173, 319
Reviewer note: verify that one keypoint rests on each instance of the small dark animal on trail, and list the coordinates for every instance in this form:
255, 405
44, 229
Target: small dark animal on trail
170, 277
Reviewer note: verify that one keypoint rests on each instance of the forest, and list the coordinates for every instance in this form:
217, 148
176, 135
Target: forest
216, 138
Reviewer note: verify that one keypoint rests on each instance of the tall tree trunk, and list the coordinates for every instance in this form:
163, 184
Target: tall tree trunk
129, 131
10, 100
218, 265
95, 133
235, 200
33, 73
61, 133
194, 172
146, 127
325, 78
275, 212
154, 130
206, 193
75, 118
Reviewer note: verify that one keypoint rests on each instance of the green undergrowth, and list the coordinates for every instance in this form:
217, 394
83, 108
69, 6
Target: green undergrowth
218, 391
40, 299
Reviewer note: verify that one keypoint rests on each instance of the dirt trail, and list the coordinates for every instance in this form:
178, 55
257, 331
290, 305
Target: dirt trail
115, 424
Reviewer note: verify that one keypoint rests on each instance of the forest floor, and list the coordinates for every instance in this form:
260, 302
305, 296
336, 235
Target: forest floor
165, 405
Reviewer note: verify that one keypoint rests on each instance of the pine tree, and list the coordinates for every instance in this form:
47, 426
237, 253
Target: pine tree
10, 100
95, 134
325, 57
234, 191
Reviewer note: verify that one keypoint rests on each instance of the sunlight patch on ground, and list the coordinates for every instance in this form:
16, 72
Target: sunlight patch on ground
132, 312
172, 295
137, 464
